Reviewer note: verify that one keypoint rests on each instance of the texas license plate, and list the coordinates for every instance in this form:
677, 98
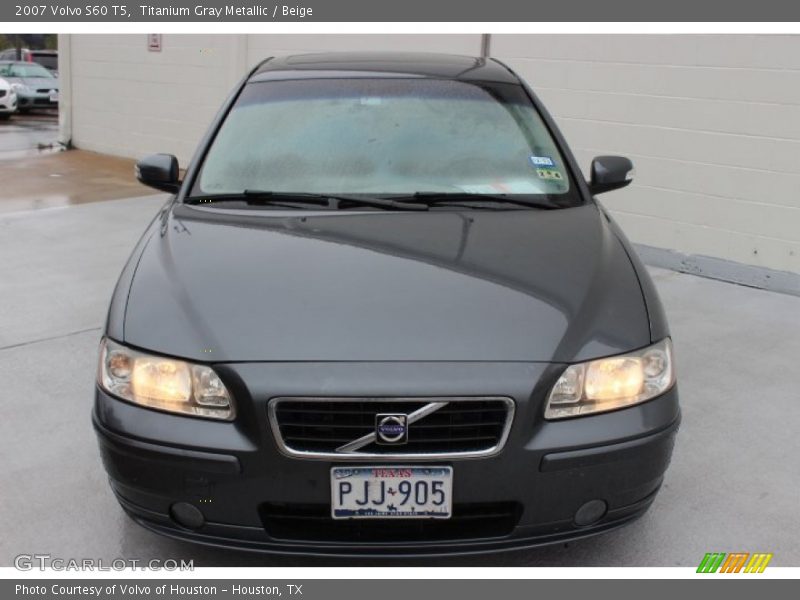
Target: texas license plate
391, 492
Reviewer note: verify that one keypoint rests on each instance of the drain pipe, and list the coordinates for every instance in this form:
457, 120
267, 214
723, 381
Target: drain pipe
65, 90
486, 45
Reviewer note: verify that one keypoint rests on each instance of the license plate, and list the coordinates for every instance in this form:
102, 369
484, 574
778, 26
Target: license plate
54, 97
391, 492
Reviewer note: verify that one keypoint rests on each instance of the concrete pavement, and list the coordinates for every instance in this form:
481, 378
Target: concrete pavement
56, 178
32, 134
732, 485
65, 178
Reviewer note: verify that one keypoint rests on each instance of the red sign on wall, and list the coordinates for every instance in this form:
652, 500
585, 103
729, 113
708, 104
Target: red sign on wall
154, 42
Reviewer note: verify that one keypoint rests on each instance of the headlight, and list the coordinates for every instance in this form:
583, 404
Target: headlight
163, 383
20, 87
611, 383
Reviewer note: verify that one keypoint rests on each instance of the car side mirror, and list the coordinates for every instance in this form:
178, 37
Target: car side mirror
610, 173
159, 171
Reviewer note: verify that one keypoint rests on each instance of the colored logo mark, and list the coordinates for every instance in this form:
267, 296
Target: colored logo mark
734, 562
542, 161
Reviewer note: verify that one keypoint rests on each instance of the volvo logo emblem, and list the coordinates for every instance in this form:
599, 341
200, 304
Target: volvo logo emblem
391, 429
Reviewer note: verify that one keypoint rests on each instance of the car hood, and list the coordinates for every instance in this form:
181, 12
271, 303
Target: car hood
519, 285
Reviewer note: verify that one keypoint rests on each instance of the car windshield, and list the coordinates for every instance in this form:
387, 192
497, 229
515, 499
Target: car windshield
24, 70
390, 136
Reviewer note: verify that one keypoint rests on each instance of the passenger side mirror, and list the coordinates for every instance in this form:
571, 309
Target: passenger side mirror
610, 173
159, 171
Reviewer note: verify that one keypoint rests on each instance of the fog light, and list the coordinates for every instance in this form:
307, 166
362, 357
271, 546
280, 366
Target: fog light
187, 515
590, 513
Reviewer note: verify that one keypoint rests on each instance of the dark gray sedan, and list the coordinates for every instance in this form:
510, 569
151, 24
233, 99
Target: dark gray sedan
35, 86
383, 313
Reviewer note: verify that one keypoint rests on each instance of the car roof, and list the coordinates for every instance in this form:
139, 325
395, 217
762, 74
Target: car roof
382, 64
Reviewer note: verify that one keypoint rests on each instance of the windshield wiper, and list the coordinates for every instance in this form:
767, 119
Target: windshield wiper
439, 198
334, 201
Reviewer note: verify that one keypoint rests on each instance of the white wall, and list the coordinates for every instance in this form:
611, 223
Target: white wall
711, 122
261, 46
130, 102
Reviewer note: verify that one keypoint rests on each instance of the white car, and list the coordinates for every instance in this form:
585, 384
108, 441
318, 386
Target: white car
8, 100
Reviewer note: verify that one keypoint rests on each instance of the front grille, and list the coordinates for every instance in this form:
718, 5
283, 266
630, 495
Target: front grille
313, 523
45, 90
315, 427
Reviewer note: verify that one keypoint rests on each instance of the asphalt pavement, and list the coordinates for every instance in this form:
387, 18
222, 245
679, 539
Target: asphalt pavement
732, 485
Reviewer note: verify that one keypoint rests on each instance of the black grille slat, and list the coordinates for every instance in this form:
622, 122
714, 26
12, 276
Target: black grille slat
424, 425
461, 426
465, 438
312, 522
342, 439
322, 424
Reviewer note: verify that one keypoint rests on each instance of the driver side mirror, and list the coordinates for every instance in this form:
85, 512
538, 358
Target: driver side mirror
159, 171
610, 173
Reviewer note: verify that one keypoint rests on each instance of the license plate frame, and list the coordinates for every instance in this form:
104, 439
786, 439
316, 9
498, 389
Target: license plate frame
392, 475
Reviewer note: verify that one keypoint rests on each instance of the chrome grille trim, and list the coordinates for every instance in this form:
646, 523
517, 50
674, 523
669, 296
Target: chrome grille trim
371, 437
440, 401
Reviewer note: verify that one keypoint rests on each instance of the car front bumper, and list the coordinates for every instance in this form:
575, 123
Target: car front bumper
8, 103
254, 497
35, 100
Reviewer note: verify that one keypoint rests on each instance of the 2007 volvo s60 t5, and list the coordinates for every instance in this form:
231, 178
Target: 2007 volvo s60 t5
382, 313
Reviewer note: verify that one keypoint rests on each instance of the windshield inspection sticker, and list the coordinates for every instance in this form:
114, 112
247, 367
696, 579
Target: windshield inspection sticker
542, 161
551, 174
